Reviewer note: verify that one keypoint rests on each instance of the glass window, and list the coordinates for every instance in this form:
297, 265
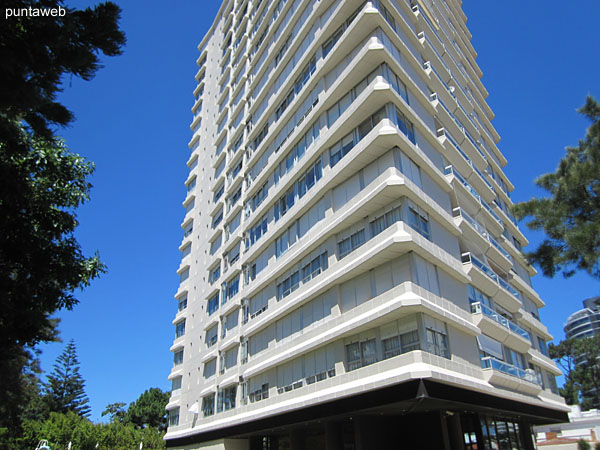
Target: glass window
437, 343
208, 405
173, 417
360, 354
178, 357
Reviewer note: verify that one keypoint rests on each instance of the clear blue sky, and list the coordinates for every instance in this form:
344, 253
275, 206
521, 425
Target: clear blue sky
133, 122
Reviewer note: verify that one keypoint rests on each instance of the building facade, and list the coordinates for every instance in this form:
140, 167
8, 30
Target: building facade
351, 275
585, 322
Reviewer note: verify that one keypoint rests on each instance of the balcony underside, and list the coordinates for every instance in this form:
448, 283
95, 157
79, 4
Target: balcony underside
410, 398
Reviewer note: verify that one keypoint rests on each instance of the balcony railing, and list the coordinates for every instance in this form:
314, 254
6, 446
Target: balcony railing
450, 170
479, 308
469, 258
489, 362
446, 133
459, 212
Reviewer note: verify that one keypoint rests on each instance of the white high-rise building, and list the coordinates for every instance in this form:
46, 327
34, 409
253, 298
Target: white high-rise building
351, 275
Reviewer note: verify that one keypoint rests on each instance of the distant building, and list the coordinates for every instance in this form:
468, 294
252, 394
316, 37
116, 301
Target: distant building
586, 321
564, 436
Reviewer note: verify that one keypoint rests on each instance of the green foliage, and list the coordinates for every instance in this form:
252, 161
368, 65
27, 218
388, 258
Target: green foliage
582, 444
597, 446
41, 185
65, 390
582, 381
564, 354
37, 53
570, 217
149, 410
116, 411
60, 429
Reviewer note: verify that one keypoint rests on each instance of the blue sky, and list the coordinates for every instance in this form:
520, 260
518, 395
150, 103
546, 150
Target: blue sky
133, 122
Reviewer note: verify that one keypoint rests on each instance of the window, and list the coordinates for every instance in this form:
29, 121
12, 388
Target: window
304, 76
180, 329
385, 221
210, 369
226, 398
332, 40
403, 343
215, 274
232, 288
316, 266
282, 51
405, 126
257, 231
208, 405
418, 220
302, 185
476, 296
259, 197
283, 106
339, 150
175, 384
261, 393
259, 138
543, 346
184, 275
191, 185
188, 230
178, 357
213, 304
342, 147
182, 304
217, 220
437, 343
360, 354
211, 336
232, 200
174, 417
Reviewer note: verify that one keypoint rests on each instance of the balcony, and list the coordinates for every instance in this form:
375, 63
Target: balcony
503, 374
489, 282
500, 328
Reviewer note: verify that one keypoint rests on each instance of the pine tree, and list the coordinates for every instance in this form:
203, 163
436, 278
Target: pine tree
65, 390
570, 216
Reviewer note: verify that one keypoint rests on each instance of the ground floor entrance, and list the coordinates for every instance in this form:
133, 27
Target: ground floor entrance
417, 415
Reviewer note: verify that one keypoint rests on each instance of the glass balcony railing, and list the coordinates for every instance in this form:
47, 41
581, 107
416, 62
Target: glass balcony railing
509, 288
489, 209
422, 35
468, 257
459, 212
501, 249
446, 133
489, 362
479, 308
428, 65
449, 170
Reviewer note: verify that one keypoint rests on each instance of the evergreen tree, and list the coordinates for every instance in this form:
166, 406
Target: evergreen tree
65, 390
41, 183
149, 410
582, 380
570, 217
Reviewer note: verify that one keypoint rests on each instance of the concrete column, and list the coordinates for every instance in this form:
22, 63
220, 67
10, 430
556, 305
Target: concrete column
526, 436
297, 440
255, 443
333, 436
455, 433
